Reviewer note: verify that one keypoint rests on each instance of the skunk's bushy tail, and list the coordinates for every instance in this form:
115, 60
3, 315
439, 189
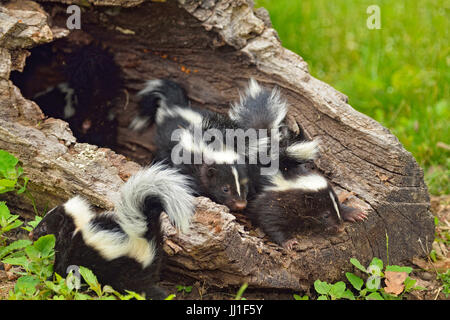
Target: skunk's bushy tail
259, 108
157, 93
149, 192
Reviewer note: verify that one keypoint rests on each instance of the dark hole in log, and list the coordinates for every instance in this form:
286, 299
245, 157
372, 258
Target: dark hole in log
94, 111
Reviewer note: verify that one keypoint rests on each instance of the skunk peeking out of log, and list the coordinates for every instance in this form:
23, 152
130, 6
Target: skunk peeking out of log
303, 203
122, 248
295, 199
86, 97
218, 174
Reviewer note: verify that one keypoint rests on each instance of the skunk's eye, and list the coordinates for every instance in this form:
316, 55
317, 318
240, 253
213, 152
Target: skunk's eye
226, 189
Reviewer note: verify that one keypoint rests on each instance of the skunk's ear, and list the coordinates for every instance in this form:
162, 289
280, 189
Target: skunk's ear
211, 172
208, 171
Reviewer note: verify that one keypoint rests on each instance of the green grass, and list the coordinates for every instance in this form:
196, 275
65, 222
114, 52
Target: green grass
399, 74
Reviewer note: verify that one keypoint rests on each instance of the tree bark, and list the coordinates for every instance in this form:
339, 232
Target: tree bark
213, 47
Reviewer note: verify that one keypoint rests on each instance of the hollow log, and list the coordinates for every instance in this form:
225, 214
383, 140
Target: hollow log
212, 47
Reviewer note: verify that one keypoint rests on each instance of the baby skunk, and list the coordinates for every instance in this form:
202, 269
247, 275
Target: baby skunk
259, 108
122, 248
218, 175
303, 203
157, 93
86, 97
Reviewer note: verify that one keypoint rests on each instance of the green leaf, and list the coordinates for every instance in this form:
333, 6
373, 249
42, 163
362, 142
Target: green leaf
7, 164
45, 245
409, 283
172, 296
337, 290
26, 285
355, 281
134, 295
4, 212
374, 296
7, 185
322, 298
16, 245
357, 264
17, 261
399, 269
12, 224
433, 255
82, 296
91, 280
298, 297
322, 287
35, 222
348, 295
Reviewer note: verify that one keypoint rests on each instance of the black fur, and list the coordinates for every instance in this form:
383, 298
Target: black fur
283, 214
123, 272
213, 180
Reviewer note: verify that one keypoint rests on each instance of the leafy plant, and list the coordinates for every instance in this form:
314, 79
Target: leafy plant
12, 178
396, 279
445, 278
38, 282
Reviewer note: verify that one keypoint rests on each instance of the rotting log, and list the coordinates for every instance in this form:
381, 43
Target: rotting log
212, 47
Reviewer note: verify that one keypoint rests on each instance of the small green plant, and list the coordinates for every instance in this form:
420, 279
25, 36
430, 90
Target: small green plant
396, 279
332, 291
445, 279
38, 282
34, 260
184, 289
241, 292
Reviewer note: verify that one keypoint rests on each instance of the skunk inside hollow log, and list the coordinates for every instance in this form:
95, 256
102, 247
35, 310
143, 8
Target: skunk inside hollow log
259, 108
181, 129
122, 248
86, 97
295, 199
306, 202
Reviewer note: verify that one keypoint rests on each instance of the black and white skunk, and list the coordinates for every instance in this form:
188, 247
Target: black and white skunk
86, 98
264, 109
300, 204
122, 248
218, 174
157, 93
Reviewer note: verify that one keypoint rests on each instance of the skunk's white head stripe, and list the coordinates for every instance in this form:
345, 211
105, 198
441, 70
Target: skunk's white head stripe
305, 150
311, 182
80, 211
236, 179
336, 207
